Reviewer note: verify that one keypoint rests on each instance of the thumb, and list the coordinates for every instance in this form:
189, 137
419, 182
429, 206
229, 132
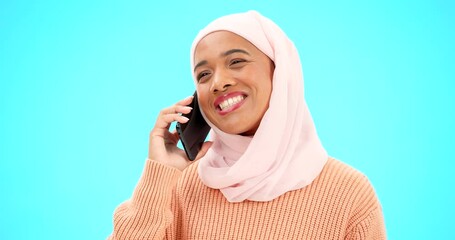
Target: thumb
205, 147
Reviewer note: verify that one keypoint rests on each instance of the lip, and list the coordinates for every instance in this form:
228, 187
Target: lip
220, 99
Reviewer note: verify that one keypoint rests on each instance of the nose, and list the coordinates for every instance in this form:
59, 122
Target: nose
221, 81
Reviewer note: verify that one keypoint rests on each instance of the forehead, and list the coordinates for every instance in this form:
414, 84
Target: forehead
221, 41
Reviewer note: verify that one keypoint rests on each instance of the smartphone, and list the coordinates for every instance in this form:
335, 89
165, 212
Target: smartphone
192, 134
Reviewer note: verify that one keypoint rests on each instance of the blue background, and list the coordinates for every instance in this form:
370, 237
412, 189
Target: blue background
81, 83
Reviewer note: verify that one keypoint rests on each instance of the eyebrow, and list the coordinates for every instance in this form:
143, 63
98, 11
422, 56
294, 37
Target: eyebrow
228, 52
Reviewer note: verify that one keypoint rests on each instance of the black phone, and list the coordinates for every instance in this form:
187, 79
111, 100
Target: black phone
193, 133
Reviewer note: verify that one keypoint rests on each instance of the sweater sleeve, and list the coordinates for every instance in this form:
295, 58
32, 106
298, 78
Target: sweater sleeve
367, 221
372, 227
149, 212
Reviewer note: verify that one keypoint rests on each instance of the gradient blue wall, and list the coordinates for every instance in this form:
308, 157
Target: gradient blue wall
81, 83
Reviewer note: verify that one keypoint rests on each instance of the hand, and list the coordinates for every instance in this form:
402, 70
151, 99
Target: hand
163, 144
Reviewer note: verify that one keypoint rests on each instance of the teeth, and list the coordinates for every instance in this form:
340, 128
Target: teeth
230, 102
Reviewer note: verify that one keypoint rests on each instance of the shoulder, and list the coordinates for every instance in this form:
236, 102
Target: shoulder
191, 172
349, 184
364, 209
190, 185
341, 174
353, 185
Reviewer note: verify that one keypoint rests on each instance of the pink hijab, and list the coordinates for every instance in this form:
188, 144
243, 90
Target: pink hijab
285, 154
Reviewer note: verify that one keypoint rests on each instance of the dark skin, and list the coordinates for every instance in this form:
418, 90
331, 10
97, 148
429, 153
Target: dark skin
232, 67
234, 88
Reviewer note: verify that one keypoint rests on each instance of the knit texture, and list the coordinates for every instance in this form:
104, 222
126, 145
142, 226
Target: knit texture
168, 204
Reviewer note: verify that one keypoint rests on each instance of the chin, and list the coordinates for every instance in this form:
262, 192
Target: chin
238, 126
232, 130
239, 131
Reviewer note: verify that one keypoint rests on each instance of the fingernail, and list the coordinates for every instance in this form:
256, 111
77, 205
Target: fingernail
185, 119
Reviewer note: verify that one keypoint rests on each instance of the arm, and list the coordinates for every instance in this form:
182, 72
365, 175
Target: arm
148, 214
151, 212
371, 227
367, 221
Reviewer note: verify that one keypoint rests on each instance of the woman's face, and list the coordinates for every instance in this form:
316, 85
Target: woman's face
234, 82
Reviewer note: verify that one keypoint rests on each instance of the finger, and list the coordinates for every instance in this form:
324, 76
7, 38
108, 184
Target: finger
163, 122
185, 101
169, 115
169, 118
180, 107
205, 147
176, 134
176, 109
171, 138
183, 109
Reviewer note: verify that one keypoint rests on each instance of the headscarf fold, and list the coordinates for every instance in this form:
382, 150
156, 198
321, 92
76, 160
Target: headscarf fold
285, 153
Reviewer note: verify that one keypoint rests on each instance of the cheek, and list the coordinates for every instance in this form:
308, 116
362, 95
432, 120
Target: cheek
265, 90
203, 98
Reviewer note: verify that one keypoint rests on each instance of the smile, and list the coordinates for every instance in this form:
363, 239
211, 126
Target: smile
228, 103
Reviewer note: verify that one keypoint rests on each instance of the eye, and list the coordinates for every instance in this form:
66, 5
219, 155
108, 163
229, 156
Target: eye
236, 61
202, 75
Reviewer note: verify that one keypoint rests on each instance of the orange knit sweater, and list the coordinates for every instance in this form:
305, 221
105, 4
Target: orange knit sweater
168, 204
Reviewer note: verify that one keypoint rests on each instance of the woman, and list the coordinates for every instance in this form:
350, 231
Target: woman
264, 174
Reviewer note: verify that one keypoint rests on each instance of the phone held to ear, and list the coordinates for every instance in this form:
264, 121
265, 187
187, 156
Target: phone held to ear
193, 133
